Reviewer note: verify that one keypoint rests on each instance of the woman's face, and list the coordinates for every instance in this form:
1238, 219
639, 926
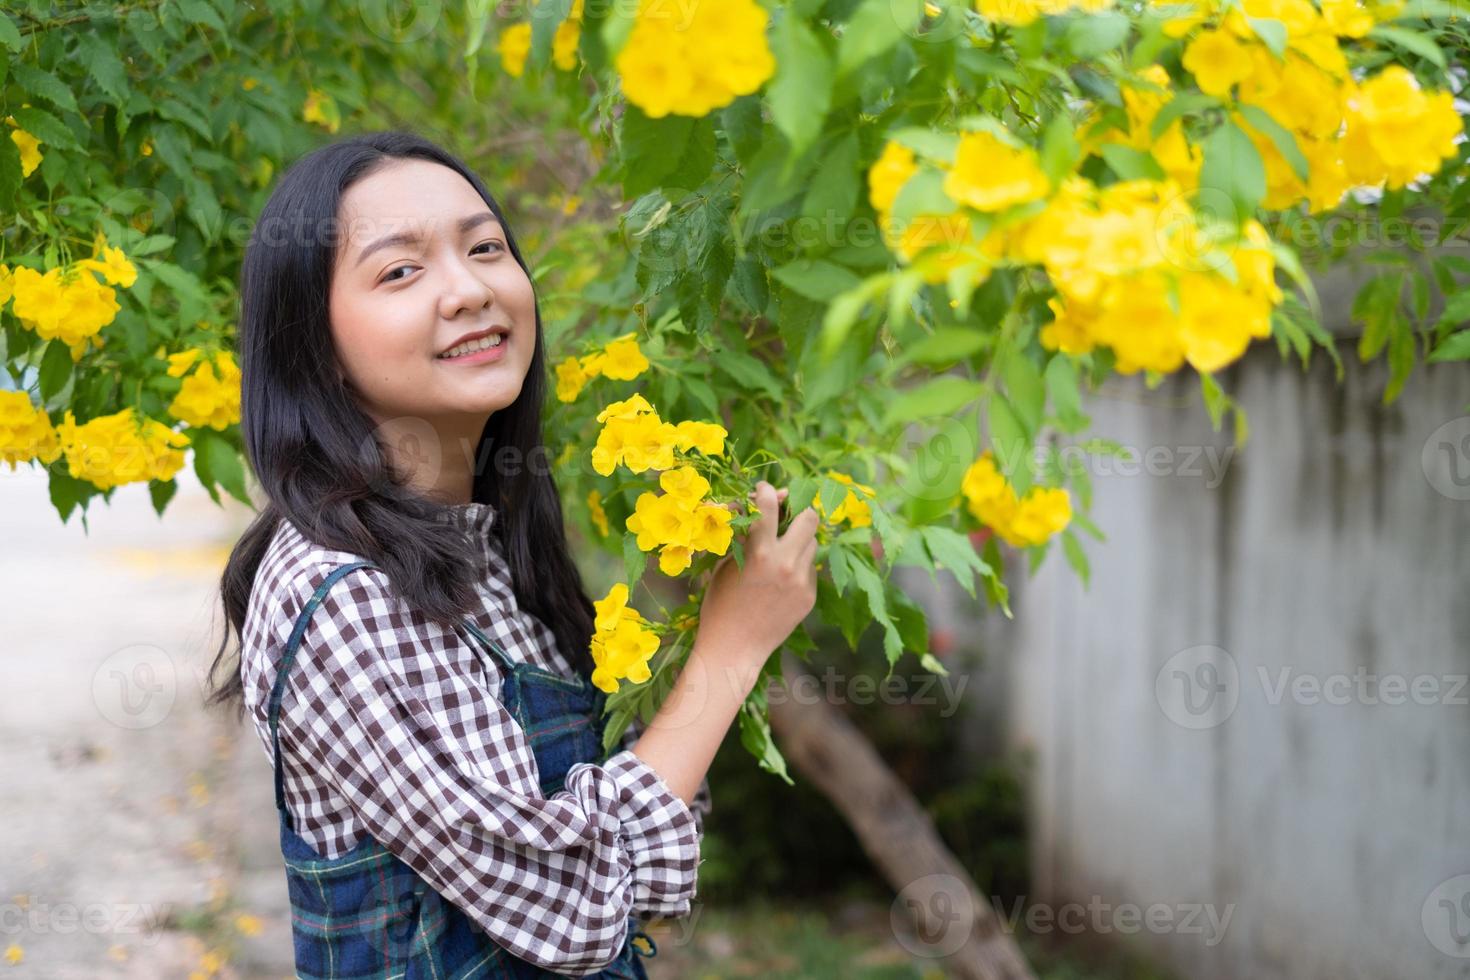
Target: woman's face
422, 261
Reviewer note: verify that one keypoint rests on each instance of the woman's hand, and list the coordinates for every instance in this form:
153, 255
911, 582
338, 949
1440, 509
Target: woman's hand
749, 611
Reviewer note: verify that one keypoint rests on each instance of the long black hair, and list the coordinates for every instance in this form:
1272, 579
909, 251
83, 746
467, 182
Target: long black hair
314, 452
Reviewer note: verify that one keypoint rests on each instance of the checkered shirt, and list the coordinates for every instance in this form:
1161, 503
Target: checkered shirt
393, 726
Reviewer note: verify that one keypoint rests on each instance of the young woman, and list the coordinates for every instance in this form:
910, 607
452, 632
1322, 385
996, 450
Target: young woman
413, 633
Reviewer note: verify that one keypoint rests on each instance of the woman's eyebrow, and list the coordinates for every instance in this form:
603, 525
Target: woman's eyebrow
409, 238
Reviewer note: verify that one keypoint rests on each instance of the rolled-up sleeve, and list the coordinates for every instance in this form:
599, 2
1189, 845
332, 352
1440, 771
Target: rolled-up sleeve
396, 708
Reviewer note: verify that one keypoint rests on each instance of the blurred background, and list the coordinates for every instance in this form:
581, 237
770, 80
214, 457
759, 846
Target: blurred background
1237, 752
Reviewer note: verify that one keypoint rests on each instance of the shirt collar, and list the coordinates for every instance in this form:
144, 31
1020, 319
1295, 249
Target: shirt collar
475, 518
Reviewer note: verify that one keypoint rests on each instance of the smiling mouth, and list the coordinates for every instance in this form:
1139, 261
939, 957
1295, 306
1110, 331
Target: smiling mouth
473, 347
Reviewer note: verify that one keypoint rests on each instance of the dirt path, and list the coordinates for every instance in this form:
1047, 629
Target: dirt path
140, 830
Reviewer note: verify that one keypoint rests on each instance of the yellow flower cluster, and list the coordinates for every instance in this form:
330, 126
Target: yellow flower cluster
681, 520
26, 432
853, 509
1137, 273
121, 448
620, 359
1020, 522
1019, 13
936, 243
1384, 129
621, 643
1142, 99
689, 58
210, 395
514, 44
68, 303
634, 436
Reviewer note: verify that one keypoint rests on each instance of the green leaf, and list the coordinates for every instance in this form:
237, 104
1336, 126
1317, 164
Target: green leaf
871, 585
1059, 148
9, 33
755, 735
941, 396
751, 373
221, 461
801, 92
104, 67
1010, 442
1090, 36
833, 196
1233, 167
1455, 348
1413, 42
939, 147
1263, 122
1131, 163
10, 174
56, 368
1025, 390
951, 550
944, 346
1064, 390
1072, 548
44, 84
877, 26
652, 148
1179, 106
1272, 33
46, 128
816, 279
635, 560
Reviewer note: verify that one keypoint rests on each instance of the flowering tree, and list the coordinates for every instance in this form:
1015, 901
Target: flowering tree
872, 250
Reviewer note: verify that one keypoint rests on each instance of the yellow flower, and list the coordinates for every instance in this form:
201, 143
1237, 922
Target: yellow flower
1017, 13
893, 168
853, 509
992, 501
514, 47
564, 43
71, 309
210, 396
321, 108
114, 267
622, 643
1347, 18
691, 58
622, 360
570, 379
249, 925
121, 448
599, 516
990, 174
146, 148
14, 954
30, 150
7, 284
1217, 61
26, 432
640, 443
1396, 131
707, 437
249, 83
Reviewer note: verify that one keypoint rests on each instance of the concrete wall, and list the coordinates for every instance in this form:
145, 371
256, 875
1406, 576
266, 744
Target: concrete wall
1328, 818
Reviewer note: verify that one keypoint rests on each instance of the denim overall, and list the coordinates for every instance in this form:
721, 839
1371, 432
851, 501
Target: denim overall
367, 914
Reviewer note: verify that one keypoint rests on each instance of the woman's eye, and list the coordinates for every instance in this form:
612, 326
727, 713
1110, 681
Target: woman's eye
496, 244
390, 277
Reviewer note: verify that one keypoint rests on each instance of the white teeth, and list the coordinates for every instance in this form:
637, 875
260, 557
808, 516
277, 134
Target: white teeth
494, 340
